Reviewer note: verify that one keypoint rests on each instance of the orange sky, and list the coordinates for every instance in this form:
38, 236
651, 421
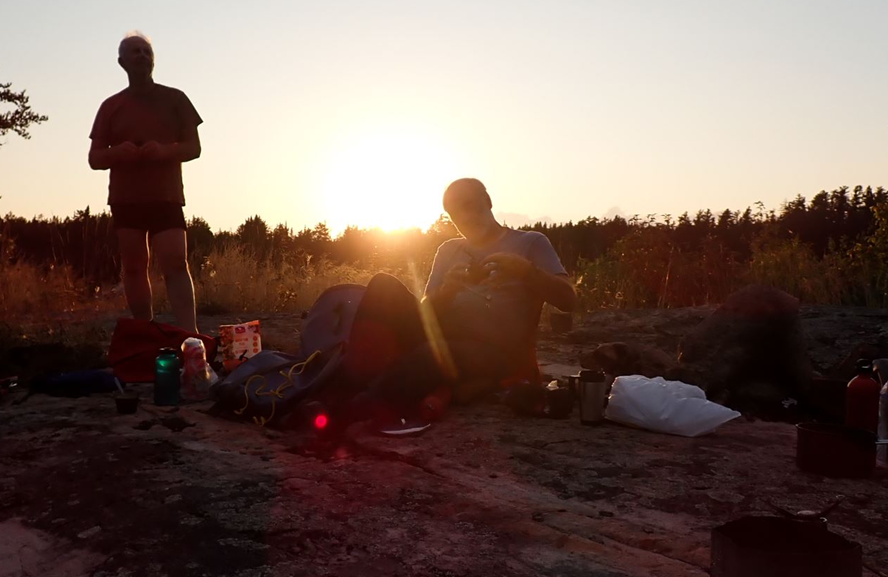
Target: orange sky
361, 112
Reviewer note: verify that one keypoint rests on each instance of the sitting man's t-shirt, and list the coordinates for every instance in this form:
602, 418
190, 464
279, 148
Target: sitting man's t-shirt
502, 314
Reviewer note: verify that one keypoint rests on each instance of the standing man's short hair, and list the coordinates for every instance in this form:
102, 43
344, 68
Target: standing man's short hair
130, 35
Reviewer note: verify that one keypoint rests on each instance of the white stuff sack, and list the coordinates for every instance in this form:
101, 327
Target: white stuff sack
665, 406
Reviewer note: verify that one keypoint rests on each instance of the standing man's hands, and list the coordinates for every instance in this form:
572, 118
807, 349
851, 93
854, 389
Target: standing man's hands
153, 150
102, 156
125, 152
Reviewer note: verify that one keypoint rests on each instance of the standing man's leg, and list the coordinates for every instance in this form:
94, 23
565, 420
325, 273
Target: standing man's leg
133, 245
171, 251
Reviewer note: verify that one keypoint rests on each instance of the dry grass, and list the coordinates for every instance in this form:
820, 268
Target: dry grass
793, 267
233, 280
646, 271
642, 271
32, 293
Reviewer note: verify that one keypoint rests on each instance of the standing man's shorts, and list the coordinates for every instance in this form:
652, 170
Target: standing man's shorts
152, 217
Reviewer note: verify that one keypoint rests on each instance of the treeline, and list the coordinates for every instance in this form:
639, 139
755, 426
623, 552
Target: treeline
828, 248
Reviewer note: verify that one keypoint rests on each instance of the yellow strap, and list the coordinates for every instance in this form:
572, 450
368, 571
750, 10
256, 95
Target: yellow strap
247, 392
296, 369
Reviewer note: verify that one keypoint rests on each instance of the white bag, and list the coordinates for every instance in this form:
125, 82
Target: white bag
665, 406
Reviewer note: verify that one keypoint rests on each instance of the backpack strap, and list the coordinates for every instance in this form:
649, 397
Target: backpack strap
296, 369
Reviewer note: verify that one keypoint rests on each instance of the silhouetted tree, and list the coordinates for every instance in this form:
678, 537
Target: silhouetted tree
22, 117
253, 234
200, 238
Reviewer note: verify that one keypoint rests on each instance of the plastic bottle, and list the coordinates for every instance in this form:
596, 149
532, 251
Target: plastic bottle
197, 375
166, 378
862, 398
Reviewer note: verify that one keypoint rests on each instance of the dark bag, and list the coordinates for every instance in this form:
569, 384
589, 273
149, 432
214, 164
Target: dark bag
329, 321
135, 343
269, 386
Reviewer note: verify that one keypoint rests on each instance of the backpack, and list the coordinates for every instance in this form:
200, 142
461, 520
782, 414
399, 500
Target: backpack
268, 387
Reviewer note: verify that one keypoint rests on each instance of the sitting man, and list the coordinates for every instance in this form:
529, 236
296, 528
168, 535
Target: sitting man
476, 325
487, 290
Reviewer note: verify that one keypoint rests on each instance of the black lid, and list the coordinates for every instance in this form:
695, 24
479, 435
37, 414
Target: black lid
591, 375
864, 366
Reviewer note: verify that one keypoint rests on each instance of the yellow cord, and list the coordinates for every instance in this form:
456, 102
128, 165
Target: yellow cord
296, 369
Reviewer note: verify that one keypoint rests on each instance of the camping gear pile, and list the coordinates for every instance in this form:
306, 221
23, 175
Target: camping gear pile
271, 388
320, 384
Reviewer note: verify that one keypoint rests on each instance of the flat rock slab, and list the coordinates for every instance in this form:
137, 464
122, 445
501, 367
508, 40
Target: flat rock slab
84, 491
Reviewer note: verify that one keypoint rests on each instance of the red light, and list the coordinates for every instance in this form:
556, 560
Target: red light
321, 421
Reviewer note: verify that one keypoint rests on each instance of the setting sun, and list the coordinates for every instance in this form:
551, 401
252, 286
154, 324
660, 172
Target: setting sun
390, 179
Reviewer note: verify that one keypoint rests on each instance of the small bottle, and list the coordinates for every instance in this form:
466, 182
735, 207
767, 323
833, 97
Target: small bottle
862, 398
166, 378
197, 375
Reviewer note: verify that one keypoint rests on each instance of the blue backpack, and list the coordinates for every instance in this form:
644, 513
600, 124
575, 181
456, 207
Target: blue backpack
268, 387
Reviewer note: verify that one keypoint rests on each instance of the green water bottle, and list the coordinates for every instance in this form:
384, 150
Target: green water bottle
166, 378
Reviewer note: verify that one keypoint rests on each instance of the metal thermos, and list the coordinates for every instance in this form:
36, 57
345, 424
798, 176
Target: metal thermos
592, 391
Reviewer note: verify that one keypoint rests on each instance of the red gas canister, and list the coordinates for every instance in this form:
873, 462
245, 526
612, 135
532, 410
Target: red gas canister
862, 398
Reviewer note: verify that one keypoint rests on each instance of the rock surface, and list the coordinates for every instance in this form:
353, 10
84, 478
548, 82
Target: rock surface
630, 359
84, 491
483, 492
751, 352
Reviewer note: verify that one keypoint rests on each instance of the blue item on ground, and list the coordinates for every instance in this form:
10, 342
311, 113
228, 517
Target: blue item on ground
74, 384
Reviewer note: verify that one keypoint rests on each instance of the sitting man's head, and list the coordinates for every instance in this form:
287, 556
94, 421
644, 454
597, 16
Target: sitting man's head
470, 208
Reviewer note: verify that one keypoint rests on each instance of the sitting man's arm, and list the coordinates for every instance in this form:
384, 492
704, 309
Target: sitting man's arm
556, 290
444, 283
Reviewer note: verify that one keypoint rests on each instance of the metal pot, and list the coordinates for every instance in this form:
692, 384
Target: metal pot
835, 450
782, 547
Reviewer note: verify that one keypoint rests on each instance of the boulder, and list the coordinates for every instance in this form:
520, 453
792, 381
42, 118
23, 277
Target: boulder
620, 358
751, 353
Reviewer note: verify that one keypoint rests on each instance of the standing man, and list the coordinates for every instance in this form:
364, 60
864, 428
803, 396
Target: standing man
143, 134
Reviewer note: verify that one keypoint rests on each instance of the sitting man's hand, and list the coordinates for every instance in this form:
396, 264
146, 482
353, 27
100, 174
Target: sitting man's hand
456, 278
507, 266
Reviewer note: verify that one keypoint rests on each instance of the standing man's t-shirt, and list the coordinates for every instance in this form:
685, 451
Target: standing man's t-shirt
162, 114
504, 314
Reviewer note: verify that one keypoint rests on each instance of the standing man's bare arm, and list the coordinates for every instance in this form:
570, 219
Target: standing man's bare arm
186, 149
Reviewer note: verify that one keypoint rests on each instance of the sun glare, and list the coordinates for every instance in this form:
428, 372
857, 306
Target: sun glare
386, 179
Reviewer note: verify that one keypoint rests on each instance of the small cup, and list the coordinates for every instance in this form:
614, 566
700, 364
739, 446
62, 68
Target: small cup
127, 403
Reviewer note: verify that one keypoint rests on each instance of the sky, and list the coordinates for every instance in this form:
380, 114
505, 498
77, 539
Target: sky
360, 112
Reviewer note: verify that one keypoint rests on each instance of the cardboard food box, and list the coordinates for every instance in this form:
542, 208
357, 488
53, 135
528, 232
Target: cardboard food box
239, 343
